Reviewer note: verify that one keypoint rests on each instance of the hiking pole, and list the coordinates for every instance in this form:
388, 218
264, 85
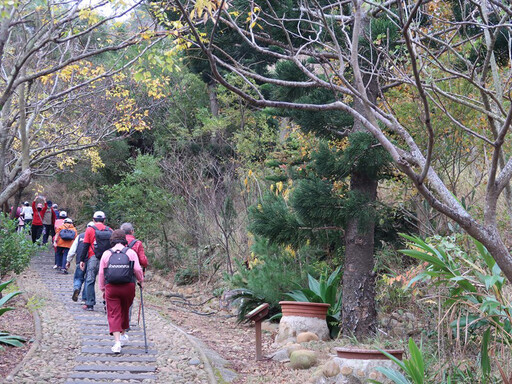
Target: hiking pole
143, 320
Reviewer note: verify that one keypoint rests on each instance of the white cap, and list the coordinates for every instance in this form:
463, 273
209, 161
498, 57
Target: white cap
98, 215
68, 220
63, 214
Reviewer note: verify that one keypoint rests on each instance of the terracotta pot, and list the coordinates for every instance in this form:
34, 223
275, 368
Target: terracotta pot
304, 309
367, 354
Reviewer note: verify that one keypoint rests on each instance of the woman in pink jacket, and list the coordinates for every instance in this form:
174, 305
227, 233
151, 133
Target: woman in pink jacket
119, 295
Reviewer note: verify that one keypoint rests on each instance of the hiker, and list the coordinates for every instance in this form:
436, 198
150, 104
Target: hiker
37, 221
135, 244
79, 277
48, 222
64, 237
21, 222
27, 213
55, 209
58, 222
96, 241
119, 270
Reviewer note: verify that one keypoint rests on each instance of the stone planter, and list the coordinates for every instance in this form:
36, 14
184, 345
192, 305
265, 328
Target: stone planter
357, 365
367, 354
301, 317
304, 309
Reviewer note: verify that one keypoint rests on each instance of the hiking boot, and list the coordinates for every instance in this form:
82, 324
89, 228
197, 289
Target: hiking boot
76, 292
124, 339
64, 271
117, 347
88, 308
55, 266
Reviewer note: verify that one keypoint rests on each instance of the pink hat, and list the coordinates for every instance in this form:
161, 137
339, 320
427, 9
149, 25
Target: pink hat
39, 206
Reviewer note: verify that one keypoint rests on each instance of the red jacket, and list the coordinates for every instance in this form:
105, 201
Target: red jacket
38, 215
90, 239
139, 250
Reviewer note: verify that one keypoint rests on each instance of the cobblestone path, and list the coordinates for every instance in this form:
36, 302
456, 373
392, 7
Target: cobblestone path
75, 344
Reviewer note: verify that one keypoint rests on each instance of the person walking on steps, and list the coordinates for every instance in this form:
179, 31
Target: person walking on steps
96, 241
27, 213
137, 246
58, 222
64, 237
79, 277
119, 270
48, 222
37, 221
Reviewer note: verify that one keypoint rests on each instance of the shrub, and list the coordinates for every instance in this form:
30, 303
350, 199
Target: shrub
16, 249
6, 338
266, 282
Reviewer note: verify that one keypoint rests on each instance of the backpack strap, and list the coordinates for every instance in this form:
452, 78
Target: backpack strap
132, 243
125, 250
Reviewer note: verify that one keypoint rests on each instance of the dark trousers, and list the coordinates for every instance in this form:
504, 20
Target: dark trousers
37, 230
61, 254
48, 231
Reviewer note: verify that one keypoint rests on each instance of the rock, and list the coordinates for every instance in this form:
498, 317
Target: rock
280, 355
292, 348
194, 361
304, 337
330, 369
303, 359
346, 371
269, 327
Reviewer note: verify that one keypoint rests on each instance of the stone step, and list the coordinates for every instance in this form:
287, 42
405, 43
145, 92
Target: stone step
111, 342
126, 351
118, 358
112, 376
117, 368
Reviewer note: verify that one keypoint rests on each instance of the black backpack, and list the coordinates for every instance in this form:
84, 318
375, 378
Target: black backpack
67, 234
120, 268
102, 242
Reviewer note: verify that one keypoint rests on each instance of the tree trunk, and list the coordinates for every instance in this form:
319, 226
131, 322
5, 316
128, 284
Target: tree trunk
359, 315
214, 101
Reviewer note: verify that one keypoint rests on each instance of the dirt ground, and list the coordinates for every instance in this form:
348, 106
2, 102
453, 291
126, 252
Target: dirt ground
218, 328
18, 322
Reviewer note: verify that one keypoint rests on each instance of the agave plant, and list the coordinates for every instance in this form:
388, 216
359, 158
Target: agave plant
6, 338
324, 290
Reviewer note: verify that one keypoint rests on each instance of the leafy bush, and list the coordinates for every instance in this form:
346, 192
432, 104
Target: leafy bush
414, 367
6, 338
267, 281
325, 290
16, 249
475, 296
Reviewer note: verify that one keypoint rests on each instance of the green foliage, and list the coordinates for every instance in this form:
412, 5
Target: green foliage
365, 156
6, 338
139, 199
274, 273
16, 248
273, 220
476, 298
325, 290
414, 367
